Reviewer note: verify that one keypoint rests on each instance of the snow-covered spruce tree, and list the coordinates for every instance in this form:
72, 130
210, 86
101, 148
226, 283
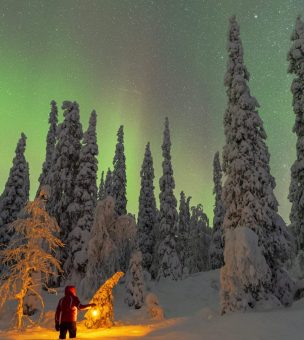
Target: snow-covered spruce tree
84, 203
296, 189
28, 258
197, 259
16, 192
102, 252
216, 250
183, 238
188, 212
135, 284
169, 265
119, 178
64, 171
147, 210
123, 234
108, 183
50, 145
101, 190
256, 243
112, 240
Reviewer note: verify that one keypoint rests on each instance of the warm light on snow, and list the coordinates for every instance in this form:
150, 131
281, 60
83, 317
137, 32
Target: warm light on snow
83, 333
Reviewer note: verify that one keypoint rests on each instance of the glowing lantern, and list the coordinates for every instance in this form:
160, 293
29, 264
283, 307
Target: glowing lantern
95, 312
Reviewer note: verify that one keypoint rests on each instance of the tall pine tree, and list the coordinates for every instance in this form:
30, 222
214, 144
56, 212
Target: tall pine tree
197, 258
101, 189
16, 191
119, 178
251, 217
108, 184
183, 239
64, 172
296, 190
147, 210
84, 202
217, 241
168, 261
50, 146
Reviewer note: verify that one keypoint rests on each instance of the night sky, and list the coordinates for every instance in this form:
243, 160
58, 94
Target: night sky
136, 62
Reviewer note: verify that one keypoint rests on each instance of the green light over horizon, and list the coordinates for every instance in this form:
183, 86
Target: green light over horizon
136, 62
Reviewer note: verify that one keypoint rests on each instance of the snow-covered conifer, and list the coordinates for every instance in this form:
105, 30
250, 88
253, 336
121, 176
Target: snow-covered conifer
248, 196
103, 299
101, 189
188, 212
50, 145
183, 221
183, 236
135, 285
147, 210
119, 178
154, 309
64, 171
84, 203
296, 190
168, 261
111, 242
216, 251
102, 252
108, 183
16, 191
197, 259
123, 233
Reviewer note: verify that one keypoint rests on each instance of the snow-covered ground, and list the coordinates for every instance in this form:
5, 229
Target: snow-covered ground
191, 311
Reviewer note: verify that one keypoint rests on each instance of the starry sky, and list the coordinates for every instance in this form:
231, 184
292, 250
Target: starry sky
136, 62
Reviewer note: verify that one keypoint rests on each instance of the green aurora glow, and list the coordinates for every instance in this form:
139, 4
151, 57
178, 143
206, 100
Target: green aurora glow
136, 62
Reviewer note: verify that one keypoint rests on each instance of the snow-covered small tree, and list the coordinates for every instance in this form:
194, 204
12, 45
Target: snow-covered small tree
153, 307
147, 210
168, 261
248, 196
16, 192
135, 284
119, 177
28, 256
102, 316
50, 145
108, 184
101, 190
296, 190
216, 251
64, 172
84, 203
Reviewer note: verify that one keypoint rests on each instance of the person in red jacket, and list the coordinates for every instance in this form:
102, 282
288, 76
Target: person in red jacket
66, 313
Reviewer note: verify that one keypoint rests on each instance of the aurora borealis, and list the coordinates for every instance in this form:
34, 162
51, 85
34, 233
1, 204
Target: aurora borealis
136, 62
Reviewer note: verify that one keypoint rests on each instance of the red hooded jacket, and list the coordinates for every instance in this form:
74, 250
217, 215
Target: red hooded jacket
68, 305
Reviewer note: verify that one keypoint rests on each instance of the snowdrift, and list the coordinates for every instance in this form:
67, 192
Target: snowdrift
191, 309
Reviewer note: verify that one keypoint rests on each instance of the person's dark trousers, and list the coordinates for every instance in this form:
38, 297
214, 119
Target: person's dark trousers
67, 326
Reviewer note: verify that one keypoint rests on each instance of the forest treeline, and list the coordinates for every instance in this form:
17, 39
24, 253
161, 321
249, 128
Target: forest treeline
248, 240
